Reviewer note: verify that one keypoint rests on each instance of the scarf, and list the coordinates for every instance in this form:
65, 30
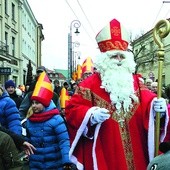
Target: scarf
41, 117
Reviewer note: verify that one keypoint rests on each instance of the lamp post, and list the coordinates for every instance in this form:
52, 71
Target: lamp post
76, 59
74, 54
76, 24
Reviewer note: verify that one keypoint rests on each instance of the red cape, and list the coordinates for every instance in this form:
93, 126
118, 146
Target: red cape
110, 145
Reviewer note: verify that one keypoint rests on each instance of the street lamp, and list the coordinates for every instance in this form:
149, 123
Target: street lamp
76, 24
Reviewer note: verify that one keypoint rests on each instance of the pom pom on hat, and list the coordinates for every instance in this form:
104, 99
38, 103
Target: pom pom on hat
113, 37
9, 83
18, 92
43, 91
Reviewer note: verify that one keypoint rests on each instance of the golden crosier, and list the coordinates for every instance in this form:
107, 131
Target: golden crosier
160, 31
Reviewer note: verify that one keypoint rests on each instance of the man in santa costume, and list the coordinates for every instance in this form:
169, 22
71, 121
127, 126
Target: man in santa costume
111, 116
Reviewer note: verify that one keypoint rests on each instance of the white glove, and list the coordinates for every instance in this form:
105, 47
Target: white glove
99, 115
159, 105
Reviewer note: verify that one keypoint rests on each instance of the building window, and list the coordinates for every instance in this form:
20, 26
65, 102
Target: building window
6, 6
13, 11
5, 48
13, 46
6, 38
14, 78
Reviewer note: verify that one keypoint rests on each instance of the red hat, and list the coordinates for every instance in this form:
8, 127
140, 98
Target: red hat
43, 91
113, 37
87, 65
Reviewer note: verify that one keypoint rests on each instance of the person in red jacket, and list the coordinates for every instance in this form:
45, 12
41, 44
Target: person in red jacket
111, 116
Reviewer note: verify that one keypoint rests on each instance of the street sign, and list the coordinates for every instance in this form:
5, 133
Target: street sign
5, 70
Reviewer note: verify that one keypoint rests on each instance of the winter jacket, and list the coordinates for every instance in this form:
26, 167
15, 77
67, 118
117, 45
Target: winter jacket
9, 158
57, 90
17, 99
50, 137
18, 140
9, 114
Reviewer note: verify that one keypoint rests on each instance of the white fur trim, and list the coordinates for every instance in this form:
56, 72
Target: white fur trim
78, 135
151, 131
94, 146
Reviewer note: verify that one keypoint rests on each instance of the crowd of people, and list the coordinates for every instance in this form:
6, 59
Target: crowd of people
104, 120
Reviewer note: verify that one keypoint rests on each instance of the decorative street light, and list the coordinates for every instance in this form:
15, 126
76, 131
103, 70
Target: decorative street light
76, 24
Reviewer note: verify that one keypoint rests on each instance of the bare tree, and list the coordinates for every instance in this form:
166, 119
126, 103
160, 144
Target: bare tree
143, 55
29, 78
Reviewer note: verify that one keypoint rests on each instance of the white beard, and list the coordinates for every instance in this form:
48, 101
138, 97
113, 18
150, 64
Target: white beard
118, 80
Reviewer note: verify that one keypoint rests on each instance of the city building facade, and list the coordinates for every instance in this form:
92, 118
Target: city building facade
145, 51
20, 40
57, 74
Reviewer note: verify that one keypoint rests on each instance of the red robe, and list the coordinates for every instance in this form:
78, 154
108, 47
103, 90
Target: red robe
112, 145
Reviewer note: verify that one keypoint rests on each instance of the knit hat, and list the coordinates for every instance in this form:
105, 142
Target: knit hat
113, 37
65, 84
41, 69
43, 91
9, 83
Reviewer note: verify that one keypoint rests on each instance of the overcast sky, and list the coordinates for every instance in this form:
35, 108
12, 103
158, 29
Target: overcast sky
56, 17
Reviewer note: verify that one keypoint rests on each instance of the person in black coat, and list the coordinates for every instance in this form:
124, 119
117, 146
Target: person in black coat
10, 145
57, 87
